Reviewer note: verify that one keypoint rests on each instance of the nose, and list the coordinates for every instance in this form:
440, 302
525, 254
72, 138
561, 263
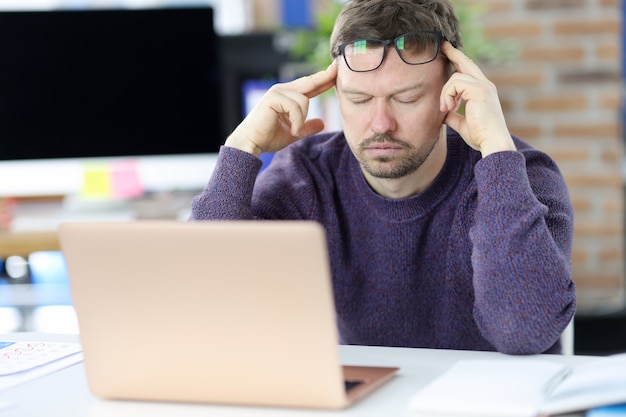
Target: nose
382, 120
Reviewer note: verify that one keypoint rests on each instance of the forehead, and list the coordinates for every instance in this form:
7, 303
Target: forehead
394, 75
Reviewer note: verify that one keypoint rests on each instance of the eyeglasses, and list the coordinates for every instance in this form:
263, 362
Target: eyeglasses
414, 48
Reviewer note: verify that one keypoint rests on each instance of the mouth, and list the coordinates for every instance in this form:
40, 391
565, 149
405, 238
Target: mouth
385, 149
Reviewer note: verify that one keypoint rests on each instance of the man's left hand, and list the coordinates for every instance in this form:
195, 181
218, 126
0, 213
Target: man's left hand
482, 125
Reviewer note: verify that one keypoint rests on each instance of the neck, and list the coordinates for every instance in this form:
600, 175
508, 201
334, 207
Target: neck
417, 181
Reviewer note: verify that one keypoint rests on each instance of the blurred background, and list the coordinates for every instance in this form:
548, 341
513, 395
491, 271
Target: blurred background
558, 66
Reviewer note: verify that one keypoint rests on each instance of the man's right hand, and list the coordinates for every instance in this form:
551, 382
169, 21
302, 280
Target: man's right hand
280, 117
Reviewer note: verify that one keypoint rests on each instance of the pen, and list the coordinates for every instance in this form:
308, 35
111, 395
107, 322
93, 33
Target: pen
556, 380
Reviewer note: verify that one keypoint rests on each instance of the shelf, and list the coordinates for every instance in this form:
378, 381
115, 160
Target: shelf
24, 243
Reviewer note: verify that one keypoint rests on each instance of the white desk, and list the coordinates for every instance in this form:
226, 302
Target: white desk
65, 393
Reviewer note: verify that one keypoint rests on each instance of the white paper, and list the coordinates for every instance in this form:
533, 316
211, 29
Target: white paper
600, 382
47, 359
485, 388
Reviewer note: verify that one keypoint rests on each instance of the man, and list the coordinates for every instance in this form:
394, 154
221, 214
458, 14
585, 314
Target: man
444, 231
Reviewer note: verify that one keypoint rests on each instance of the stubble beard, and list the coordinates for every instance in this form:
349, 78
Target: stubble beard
392, 167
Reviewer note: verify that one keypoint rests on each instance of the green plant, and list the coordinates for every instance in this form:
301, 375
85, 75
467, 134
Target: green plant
312, 45
475, 44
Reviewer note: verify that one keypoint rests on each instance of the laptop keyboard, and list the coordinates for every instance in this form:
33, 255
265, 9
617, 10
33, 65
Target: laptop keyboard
349, 384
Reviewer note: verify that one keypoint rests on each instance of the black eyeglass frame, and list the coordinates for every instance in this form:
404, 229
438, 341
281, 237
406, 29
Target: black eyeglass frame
387, 42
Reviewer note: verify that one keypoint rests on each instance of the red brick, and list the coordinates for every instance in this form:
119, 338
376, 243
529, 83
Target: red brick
598, 230
594, 180
516, 79
611, 3
570, 155
609, 51
557, 53
597, 280
512, 30
591, 130
612, 156
556, 103
579, 255
581, 204
554, 4
614, 205
526, 131
611, 101
586, 27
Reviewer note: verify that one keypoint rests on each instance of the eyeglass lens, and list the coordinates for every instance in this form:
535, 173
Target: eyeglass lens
414, 48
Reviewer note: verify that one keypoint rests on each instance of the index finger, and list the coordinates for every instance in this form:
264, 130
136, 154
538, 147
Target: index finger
461, 62
315, 84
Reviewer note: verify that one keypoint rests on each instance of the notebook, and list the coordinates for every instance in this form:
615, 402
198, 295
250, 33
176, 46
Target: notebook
225, 312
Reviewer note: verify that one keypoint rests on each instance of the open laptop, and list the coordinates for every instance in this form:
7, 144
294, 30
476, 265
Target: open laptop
228, 312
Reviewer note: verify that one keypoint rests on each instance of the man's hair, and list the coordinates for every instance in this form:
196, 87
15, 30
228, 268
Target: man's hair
388, 19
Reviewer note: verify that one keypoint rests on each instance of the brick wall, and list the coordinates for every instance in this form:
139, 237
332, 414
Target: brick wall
562, 93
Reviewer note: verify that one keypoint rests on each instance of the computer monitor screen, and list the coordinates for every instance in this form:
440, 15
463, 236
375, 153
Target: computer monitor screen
108, 83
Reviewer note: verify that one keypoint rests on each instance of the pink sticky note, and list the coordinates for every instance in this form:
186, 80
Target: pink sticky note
125, 179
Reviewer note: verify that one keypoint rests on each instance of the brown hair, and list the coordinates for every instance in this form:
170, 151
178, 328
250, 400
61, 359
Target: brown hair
387, 19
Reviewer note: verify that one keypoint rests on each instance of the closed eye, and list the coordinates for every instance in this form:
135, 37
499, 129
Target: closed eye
408, 99
359, 99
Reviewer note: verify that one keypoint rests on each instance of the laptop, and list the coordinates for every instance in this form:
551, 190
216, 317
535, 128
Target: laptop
224, 312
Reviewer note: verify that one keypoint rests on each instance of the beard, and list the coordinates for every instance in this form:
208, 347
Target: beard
391, 167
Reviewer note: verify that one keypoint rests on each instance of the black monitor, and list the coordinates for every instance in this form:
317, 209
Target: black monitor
108, 83
250, 57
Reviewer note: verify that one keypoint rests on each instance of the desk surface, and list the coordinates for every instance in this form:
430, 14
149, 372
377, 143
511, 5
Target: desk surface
65, 393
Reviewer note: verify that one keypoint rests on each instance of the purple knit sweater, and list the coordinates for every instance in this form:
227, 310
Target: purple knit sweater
479, 260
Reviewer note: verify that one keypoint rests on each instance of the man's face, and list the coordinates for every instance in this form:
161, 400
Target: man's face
391, 116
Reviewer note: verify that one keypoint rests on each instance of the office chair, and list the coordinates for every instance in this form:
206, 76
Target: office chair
567, 339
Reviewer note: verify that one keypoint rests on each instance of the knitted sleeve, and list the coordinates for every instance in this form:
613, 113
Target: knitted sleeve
228, 193
522, 241
236, 191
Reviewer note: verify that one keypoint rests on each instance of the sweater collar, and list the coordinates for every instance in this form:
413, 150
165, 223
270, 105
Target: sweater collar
422, 203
